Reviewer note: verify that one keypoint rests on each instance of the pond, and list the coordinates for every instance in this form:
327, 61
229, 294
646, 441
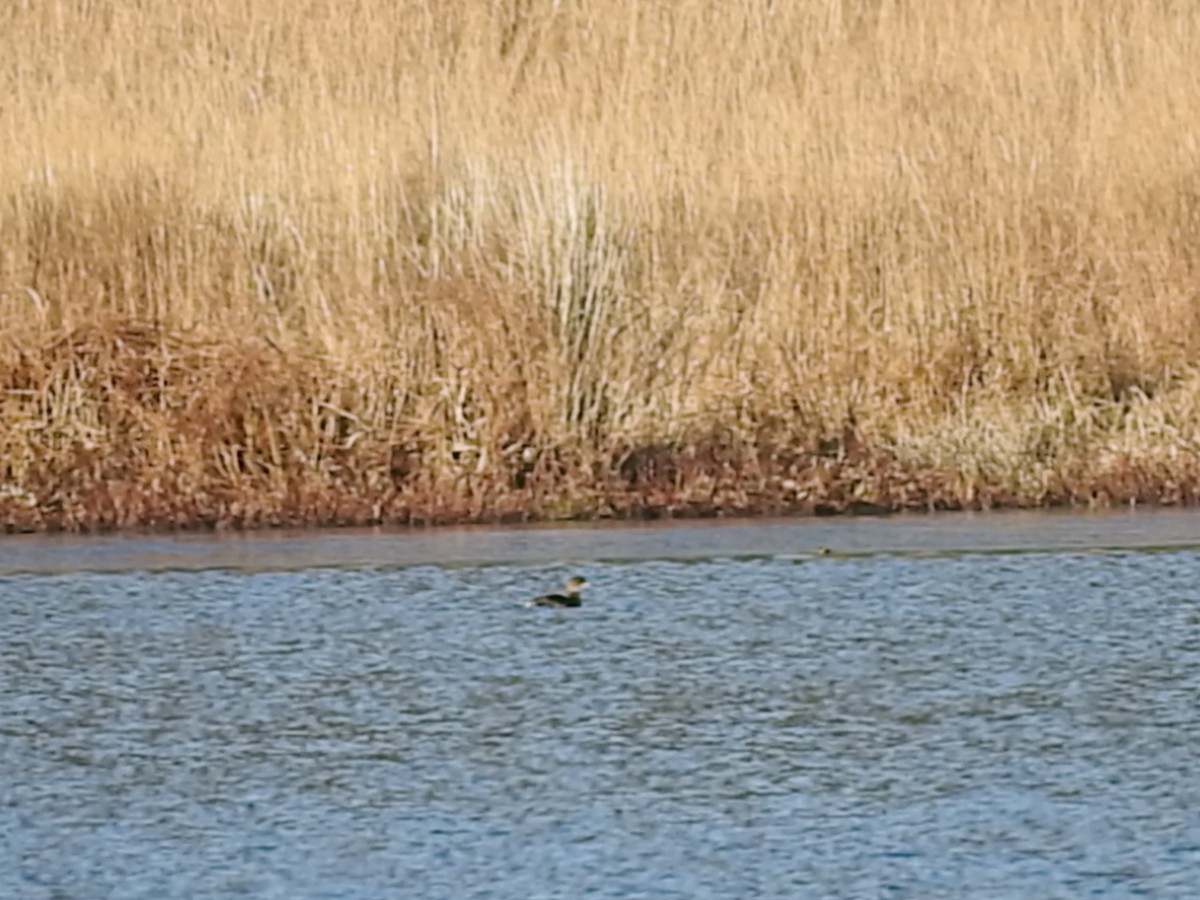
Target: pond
1004, 705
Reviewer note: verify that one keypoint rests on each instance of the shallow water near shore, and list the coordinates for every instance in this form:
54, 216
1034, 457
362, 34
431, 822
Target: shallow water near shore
951, 706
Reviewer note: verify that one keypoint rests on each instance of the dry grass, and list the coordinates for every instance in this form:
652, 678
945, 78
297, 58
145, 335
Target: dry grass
308, 261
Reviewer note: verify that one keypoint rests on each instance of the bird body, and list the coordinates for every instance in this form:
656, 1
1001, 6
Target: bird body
570, 599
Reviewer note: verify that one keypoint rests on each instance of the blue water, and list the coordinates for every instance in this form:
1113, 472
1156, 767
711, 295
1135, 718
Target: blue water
874, 724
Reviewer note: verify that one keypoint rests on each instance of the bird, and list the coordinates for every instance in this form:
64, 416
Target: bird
571, 598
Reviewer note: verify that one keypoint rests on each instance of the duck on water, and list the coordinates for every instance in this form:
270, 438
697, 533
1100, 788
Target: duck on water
570, 598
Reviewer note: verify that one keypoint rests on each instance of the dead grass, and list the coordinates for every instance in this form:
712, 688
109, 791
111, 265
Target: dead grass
309, 262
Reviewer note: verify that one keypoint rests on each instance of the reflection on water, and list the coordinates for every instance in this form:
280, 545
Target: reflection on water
604, 542
971, 725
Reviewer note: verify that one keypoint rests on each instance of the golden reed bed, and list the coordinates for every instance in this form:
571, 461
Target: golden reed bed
302, 261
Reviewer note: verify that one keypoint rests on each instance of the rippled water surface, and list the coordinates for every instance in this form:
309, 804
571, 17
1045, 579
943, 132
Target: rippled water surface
740, 724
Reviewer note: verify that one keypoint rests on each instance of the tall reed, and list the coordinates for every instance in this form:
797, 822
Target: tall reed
376, 261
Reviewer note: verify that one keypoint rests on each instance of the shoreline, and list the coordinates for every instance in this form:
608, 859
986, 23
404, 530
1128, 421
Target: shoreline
128, 425
118, 507
123, 424
17, 525
567, 546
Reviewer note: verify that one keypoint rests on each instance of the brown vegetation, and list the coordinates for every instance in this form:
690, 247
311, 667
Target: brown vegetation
368, 261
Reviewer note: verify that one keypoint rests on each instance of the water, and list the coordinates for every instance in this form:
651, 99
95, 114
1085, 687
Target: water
723, 720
